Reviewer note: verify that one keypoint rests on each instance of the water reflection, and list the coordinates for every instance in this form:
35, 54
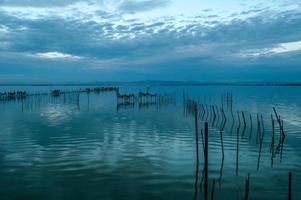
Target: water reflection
54, 150
55, 115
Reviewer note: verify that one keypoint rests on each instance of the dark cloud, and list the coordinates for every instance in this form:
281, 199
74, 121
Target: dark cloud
133, 6
107, 40
37, 3
156, 50
252, 11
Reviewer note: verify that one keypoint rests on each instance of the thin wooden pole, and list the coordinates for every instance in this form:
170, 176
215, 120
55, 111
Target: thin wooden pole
247, 188
196, 132
290, 186
238, 119
206, 163
197, 150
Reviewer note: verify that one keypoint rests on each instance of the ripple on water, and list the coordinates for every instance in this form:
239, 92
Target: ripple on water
145, 154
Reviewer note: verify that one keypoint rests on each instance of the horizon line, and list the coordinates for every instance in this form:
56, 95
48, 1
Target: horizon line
162, 83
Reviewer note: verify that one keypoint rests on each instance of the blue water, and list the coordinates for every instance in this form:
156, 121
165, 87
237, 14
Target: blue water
56, 148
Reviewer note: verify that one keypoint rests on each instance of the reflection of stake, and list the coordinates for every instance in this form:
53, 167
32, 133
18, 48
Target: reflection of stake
225, 119
273, 135
233, 122
262, 124
211, 114
251, 126
214, 116
223, 157
259, 153
237, 150
202, 137
217, 120
258, 129
77, 102
204, 112
281, 149
273, 141
279, 122
212, 190
184, 102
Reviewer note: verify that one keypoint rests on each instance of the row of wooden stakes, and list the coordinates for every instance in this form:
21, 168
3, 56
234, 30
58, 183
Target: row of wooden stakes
21, 95
205, 176
144, 97
15, 95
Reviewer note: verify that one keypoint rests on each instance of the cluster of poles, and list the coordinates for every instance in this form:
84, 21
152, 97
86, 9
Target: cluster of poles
227, 100
33, 100
21, 95
212, 113
40, 101
85, 90
15, 95
141, 97
218, 116
30, 101
144, 100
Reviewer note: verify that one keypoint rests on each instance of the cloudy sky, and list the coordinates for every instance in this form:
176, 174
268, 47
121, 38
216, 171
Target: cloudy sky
130, 40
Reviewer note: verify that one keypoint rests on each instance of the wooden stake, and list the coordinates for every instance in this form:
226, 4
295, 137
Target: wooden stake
290, 186
206, 163
247, 188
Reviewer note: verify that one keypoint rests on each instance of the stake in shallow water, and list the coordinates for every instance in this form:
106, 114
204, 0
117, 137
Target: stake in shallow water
223, 157
290, 186
213, 113
244, 119
247, 188
279, 122
197, 151
206, 162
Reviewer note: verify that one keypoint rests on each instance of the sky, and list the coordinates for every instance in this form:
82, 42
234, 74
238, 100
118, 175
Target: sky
54, 41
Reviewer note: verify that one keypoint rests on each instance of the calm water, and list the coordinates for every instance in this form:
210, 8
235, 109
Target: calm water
55, 148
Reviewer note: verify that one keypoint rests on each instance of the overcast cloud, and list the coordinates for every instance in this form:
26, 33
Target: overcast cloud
140, 39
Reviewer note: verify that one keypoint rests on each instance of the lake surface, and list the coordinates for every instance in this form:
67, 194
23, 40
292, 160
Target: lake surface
91, 148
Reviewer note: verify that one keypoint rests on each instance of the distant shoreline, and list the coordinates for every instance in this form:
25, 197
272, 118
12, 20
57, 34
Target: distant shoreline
159, 83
